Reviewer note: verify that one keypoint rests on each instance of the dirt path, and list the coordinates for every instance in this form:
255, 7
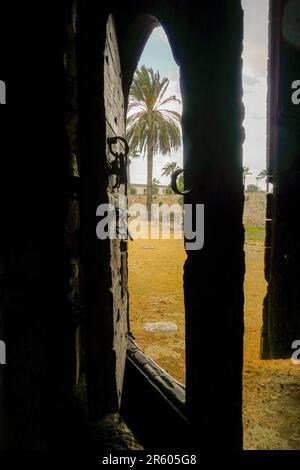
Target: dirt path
271, 388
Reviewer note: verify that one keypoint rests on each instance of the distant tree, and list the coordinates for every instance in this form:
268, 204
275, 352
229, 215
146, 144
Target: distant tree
264, 175
246, 172
252, 188
257, 180
132, 190
169, 168
155, 185
156, 181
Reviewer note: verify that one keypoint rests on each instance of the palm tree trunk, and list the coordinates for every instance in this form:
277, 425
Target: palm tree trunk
149, 180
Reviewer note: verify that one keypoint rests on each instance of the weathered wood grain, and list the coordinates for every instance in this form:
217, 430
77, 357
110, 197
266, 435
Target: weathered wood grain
114, 115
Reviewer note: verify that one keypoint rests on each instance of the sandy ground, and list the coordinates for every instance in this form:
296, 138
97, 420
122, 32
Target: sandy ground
271, 388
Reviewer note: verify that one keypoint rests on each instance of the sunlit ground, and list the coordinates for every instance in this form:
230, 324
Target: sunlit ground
271, 388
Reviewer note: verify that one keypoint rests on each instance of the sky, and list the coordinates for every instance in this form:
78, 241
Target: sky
158, 55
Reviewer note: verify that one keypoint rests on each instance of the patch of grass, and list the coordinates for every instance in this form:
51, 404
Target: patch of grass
255, 234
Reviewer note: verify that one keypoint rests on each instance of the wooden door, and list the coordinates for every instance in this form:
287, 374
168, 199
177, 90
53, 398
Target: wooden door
115, 127
101, 117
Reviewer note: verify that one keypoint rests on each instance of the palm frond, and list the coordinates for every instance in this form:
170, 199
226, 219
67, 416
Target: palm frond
168, 100
148, 124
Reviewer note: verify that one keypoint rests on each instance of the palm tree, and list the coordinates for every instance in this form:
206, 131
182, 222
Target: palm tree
169, 168
264, 175
246, 172
156, 182
151, 127
155, 185
257, 180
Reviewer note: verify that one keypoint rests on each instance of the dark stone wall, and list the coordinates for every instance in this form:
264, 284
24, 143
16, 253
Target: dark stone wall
34, 171
281, 325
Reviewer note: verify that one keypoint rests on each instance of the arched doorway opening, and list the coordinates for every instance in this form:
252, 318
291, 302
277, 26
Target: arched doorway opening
156, 258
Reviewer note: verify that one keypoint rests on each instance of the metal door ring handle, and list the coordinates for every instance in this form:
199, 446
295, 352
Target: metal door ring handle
113, 141
174, 178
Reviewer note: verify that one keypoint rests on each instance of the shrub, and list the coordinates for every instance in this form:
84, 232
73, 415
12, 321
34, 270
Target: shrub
132, 190
252, 188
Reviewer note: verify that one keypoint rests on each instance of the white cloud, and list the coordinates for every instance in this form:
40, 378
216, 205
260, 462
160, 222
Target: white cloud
255, 34
255, 54
159, 34
254, 148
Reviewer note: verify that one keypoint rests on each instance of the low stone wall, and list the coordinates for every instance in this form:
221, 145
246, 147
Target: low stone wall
157, 199
254, 208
